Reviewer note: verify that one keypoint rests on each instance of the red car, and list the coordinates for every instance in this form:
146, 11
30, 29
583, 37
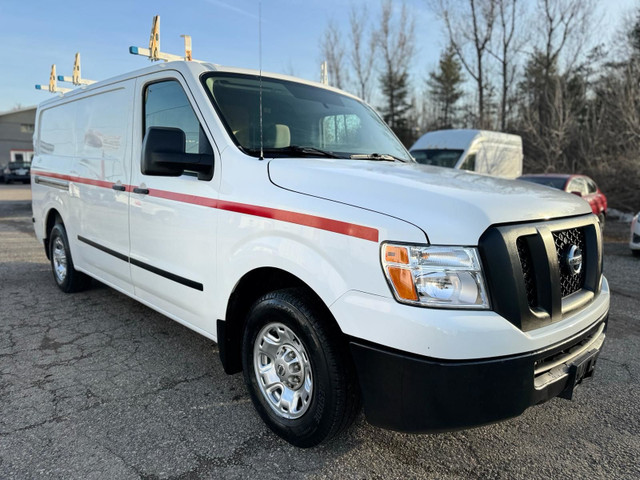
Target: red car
580, 185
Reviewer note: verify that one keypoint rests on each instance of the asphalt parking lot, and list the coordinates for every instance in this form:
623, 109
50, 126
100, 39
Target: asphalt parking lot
95, 385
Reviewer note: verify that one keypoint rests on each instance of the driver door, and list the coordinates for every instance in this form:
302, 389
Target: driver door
172, 222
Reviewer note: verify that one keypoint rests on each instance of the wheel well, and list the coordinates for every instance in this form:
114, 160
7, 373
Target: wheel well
251, 287
53, 217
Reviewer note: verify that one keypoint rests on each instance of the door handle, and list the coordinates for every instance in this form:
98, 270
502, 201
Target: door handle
119, 188
142, 191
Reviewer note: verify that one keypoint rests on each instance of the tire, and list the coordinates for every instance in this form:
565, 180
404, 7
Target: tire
300, 351
67, 278
635, 253
601, 219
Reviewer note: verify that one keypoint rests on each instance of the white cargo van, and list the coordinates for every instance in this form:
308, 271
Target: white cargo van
329, 266
482, 151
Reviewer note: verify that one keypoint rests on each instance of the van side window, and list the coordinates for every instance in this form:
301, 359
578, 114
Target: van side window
166, 105
469, 163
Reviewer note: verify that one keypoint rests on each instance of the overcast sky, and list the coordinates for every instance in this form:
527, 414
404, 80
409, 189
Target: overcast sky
35, 34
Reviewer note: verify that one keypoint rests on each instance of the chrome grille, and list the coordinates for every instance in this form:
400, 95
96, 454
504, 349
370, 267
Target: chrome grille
563, 240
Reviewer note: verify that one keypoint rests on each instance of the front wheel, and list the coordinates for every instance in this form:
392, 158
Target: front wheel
66, 276
297, 368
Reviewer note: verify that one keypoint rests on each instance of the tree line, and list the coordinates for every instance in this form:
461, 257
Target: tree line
537, 69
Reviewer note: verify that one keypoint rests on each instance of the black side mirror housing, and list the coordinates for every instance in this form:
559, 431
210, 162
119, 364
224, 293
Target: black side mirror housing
163, 154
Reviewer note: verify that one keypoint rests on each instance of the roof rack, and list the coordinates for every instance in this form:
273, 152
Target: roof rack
75, 77
154, 53
53, 86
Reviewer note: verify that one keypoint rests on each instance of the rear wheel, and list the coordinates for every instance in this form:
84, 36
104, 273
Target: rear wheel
66, 276
297, 369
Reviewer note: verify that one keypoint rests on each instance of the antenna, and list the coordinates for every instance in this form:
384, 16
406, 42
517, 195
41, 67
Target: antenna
260, 77
53, 86
154, 53
76, 78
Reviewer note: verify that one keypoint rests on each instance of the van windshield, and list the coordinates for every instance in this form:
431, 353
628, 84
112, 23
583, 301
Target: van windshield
437, 157
299, 120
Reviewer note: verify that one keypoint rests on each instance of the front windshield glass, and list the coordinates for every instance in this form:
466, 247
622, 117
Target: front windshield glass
554, 182
439, 158
300, 116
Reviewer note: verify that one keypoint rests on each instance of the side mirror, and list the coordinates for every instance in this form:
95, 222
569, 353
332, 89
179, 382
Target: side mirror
576, 193
163, 154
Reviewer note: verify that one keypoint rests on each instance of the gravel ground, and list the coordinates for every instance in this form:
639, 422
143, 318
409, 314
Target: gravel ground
95, 385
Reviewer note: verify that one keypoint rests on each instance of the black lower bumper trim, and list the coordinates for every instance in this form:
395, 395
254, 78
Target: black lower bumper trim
416, 394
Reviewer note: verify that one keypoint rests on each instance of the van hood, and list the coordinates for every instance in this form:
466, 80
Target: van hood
452, 207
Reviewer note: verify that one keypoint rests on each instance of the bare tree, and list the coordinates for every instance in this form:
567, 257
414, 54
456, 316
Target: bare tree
563, 23
396, 41
289, 69
554, 85
333, 52
362, 54
546, 118
470, 29
505, 50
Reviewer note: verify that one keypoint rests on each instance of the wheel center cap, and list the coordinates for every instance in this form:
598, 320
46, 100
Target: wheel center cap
289, 368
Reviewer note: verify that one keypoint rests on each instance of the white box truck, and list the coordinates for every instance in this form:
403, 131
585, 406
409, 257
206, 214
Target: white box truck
329, 266
481, 151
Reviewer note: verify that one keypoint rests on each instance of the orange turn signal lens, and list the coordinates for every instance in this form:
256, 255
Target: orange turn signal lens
394, 254
403, 282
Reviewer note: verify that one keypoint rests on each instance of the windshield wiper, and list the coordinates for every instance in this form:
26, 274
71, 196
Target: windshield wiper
376, 156
296, 150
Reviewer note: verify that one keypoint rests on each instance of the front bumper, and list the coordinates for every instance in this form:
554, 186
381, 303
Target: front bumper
411, 393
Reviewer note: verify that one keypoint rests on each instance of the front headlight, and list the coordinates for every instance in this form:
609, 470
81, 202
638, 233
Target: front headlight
432, 276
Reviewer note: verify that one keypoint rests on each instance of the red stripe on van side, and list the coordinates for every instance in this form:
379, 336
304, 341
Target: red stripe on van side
76, 179
336, 226
184, 198
321, 223
51, 175
95, 183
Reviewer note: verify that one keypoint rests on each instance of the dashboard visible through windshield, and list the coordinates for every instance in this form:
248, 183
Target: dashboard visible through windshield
299, 120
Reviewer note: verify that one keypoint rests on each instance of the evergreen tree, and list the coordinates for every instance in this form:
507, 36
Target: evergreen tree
444, 87
396, 108
396, 43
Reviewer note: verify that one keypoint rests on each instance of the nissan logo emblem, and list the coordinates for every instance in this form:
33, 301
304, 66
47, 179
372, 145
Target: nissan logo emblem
573, 259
